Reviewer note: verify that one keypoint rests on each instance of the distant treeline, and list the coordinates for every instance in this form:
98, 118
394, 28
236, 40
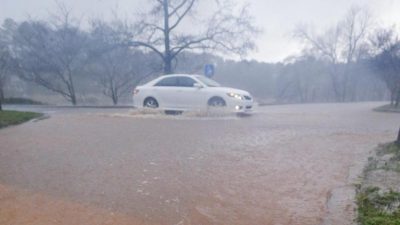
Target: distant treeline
55, 60
298, 80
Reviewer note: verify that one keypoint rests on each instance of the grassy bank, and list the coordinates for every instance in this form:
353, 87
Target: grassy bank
388, 108
8, 118
23, 101
378, 196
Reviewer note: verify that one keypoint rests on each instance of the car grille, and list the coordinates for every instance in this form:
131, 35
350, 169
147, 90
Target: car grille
247, 97
249, 107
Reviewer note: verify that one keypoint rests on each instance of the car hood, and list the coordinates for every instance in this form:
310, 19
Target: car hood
231, 90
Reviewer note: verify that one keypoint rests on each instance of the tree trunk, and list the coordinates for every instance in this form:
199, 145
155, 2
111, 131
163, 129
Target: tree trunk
344, 91
167, 65
1, 98
335, 86
391, 97
114, 98
73, 99
71, 88
1, 93
397, 99
167, 51
398, 138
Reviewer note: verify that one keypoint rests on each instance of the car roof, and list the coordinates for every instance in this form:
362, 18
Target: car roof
175, 75
152, 82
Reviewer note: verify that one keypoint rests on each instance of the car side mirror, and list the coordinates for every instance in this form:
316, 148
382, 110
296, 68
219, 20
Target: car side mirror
197, 85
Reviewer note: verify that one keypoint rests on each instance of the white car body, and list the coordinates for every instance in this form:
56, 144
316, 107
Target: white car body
183, 96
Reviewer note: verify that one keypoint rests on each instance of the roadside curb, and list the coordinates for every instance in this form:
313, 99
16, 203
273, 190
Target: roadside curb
42, 117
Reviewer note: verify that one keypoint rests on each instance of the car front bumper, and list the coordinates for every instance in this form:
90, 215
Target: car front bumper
241, 106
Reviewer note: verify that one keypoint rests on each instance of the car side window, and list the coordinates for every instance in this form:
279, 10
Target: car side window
167, 82
186, 82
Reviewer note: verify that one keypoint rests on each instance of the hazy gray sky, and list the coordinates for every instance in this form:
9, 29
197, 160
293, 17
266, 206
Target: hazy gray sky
277, 18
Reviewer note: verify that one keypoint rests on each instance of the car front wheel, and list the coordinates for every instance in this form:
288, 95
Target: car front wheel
150, 103
216, 102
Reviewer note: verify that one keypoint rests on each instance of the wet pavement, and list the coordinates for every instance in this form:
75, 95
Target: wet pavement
286, 164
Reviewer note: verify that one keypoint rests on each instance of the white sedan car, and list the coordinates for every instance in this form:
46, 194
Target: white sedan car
181, 92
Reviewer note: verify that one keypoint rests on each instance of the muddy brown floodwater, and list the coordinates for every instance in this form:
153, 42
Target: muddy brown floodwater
285, 165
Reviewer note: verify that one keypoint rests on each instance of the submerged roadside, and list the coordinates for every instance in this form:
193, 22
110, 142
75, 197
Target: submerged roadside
378, 195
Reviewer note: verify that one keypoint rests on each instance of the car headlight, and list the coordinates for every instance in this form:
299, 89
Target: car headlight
235, 95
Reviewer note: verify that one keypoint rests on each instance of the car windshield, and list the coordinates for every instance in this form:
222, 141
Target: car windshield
208, 81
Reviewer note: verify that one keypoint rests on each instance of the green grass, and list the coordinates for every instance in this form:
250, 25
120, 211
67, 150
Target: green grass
8, 118
376, 208
391, 147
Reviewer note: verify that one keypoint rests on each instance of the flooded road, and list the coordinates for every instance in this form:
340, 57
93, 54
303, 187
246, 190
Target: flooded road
285, 165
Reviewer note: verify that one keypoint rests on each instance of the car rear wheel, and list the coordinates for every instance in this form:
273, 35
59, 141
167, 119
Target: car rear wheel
150, 103
216, 102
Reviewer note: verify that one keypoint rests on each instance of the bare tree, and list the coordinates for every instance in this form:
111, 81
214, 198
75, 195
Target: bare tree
4, 69
163, 30
300, 79
7, 62
386, 60
341, 46
52, 54
117, 68
327, 46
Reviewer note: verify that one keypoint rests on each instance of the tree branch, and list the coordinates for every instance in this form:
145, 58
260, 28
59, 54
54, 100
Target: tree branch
143, 44
180, 17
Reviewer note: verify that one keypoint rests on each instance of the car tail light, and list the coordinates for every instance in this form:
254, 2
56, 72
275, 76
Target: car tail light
136, 91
